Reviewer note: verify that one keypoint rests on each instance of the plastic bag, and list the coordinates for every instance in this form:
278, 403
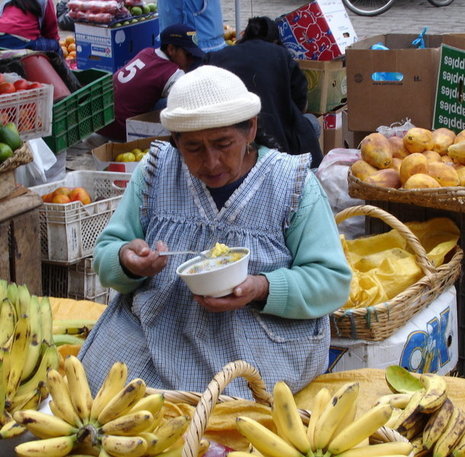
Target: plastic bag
395, 129
384, 266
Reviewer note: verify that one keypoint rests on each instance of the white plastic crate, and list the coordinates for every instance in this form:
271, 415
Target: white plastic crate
69, 231
30, 110
78, 281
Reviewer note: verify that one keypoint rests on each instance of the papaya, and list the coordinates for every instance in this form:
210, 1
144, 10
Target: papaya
418, 139
442, 139
361, 169
412, 164
432, 156
456, 152
396, 162
388, 177
397, 147
421, 181
460, 169
376, 150
10, 136
444, 174
460, 137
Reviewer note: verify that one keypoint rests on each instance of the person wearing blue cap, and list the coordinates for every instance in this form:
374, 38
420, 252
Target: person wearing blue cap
148, 77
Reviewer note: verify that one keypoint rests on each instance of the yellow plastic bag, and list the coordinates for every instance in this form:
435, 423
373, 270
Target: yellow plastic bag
383, 265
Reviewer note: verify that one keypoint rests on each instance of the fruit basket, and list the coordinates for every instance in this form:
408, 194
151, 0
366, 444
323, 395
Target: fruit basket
21, 156
446, 198
380, 321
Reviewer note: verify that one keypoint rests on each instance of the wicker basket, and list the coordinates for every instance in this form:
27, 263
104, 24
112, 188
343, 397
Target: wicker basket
446, 198
376, 323
206, 401
21, 156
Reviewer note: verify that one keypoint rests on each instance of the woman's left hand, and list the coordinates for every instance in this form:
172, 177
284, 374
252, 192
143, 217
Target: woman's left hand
254, 288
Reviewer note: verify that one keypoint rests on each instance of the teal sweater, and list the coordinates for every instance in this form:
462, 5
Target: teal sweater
306, 290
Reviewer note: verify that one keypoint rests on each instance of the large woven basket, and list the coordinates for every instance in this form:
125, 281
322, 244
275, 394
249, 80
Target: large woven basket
21, 156
376, 323
446, 198
206, 401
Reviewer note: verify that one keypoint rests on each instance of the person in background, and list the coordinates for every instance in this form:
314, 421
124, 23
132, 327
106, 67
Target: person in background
148, 77
30, 24
215, 183
268, 69
65, 22
205, 16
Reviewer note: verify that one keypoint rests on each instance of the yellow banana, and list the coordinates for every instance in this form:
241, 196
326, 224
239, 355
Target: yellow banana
130, 424
78, 386
168, 433
375, 450
399, 400
264, 440
12, 294
43, 425
452, 434
291, 426
33, 349
348, 419
50, 447
123, 401
419, 450
396, 412
239, 454
113, 383
322, 398
410, 413
417, 427
24, 299
436, 424
152, 403
177, 450
8, 320
30, 400
333, 413
435, 392
459, 450
62, 404
80, 327
124, 446
360, 429
46, 320
11, 429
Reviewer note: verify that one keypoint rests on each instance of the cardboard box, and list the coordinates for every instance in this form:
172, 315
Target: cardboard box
374, 100
104, 156
427, 343
319, 30
327, 84
144, 126
331, 130
109, 49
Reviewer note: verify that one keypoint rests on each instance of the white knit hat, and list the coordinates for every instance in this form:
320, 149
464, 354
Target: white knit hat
208, 97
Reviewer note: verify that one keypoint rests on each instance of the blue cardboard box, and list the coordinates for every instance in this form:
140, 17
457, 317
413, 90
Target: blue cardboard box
109, 49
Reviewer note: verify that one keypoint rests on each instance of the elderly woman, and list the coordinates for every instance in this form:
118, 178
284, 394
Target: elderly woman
213, 183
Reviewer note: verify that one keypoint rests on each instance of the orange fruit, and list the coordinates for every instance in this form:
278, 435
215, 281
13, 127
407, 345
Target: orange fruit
65, 50
61, 191
72, 47
69, 39
72, 54
60, 198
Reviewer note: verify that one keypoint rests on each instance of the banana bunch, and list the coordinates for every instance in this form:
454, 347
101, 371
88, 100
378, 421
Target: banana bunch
428, 418
26, 353
333, 429
71, 331
122, 420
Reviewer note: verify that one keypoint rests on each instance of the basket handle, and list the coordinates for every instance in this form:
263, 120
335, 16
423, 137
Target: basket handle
373, 211
210, 397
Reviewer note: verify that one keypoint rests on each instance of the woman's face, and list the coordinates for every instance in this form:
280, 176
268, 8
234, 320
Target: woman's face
218, 156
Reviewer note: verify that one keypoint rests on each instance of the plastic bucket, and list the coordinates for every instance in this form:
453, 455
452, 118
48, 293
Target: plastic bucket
38, 68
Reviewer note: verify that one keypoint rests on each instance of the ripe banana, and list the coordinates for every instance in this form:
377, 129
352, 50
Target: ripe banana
285, 410
114, 382
409, 414
62, 404
11, 429
24, 299
8, 319
123, 401
333, 413
80, 327
395, 400
33, 350
124, 446
322, 398
435, 392
12, 294
152, 403
78, 387
46, 320
50, 447
264, 440
29, 400
168, 433
419, 450
130, 424
43, 425
459, 450
452, 434
360, 429
375, 450
436, 424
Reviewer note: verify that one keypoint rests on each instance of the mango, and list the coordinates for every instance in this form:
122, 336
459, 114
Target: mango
412, 164
442, 139
444, 174
460, 137
387, 177
418, 139
432, 156
396, 164
376, 150
397, 147
361, 169
421, 181
456, 152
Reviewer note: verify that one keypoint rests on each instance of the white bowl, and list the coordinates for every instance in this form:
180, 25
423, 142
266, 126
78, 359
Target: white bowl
220, 280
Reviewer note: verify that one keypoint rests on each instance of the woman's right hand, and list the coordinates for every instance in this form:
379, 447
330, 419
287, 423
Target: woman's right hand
140, 260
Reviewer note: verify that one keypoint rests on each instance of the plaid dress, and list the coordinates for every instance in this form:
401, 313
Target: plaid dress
167, 338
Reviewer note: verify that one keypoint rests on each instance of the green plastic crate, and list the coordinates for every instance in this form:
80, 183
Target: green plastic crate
84, 111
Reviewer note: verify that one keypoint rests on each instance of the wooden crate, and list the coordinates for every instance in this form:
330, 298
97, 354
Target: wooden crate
20, 260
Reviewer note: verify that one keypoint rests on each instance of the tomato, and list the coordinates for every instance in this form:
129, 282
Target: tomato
21, 84
34, 85
7, 88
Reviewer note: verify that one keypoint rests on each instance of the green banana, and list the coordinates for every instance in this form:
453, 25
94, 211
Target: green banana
8, 320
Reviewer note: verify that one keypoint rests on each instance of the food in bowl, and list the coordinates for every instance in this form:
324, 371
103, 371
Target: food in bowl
214, 262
